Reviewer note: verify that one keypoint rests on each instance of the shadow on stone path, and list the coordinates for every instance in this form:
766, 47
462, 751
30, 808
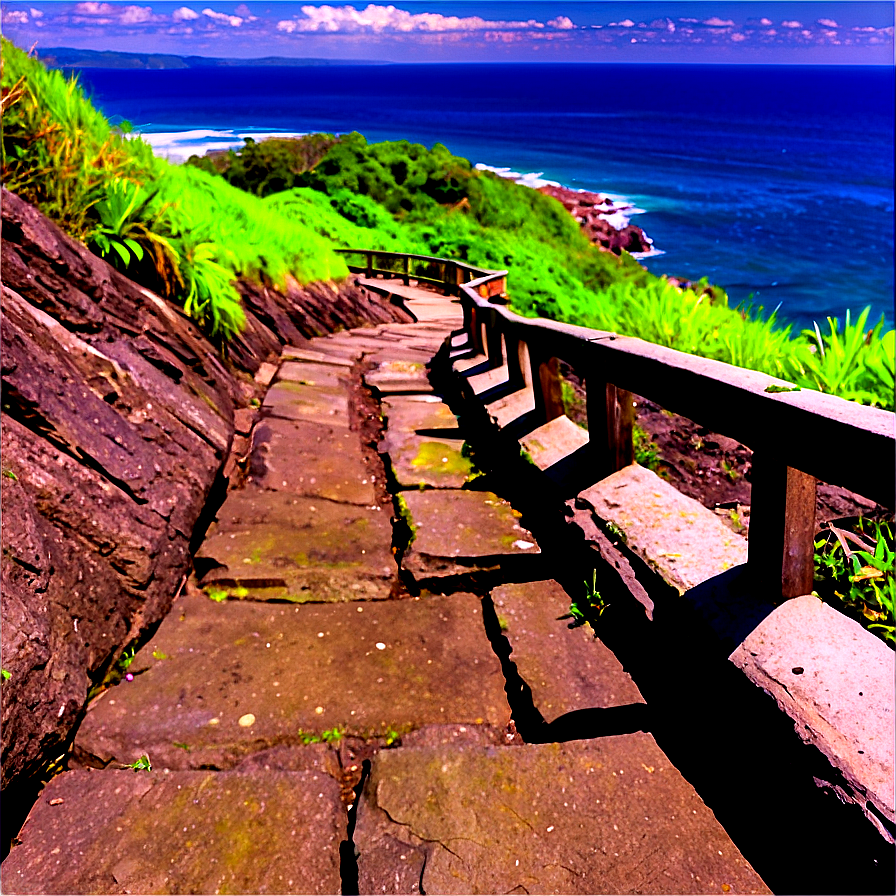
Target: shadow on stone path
371, 690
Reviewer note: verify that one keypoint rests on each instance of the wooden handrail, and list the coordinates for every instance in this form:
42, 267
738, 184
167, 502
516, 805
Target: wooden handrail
796, 436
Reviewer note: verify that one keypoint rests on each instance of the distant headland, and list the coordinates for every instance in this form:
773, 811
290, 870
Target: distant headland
70, 57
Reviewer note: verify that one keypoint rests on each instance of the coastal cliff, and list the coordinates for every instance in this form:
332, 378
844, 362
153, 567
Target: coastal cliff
118, 421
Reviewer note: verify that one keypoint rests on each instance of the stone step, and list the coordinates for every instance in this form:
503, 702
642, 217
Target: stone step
181, 832
220, 681
605, 816
676, 535
311, 459
458, 532
276, 545
573, 680
307, 403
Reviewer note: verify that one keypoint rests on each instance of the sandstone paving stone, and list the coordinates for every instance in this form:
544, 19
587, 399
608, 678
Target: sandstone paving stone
835, 680
397, 375
412, 413
296, 353
287, 547
551, 443
181, 832
678, 536
315, 404
433, 461
457, 531
311, 373
311, 459
511, 407
567, 669
220, 681
605, 816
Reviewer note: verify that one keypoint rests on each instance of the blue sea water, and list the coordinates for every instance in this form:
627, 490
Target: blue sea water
774, 182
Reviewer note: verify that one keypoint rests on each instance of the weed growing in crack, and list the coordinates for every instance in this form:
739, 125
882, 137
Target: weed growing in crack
141, 765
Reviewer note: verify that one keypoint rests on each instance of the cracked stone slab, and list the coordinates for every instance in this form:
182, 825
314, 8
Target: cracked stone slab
606, 816
314, 404
286, 547
412, 413
417, 461
310, 459
219, 681
835, 680
181, 832
568, 669
458, 531
686, 543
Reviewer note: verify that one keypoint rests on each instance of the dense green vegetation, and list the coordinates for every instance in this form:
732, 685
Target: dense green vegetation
175, 229
405, 197
856, 571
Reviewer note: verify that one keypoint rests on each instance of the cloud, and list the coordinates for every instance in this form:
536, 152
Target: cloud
828, 23
563, 23
625, 23
388, 19
15, 17
135, 15
793, 24
36, 13
716, 22
223, 18
766, 22
184, 14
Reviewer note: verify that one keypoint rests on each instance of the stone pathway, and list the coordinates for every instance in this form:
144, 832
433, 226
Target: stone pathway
336, 709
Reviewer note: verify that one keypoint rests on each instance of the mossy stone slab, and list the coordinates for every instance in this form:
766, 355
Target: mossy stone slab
568, 670
277, 545
426, 460
457, 531
412, 413
310, 459
314, 404
605, 816
182, 832
220, 681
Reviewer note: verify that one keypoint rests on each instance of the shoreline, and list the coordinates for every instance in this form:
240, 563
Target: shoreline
605, 218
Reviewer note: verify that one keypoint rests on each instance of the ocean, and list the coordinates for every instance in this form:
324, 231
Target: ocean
776, 182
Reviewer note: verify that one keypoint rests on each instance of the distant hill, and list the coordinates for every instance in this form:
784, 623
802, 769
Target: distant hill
69, 57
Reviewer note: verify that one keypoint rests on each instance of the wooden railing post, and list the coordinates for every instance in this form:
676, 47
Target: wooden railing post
610, 421
369, 265
546, 386
782, 527
406, 277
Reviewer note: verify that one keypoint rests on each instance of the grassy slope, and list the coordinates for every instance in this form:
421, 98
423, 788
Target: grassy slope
178, 230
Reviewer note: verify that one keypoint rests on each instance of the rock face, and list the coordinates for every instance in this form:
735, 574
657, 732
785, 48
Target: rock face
598, 217
117, 417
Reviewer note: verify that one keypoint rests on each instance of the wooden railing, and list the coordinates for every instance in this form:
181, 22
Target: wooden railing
797, 437
443, 272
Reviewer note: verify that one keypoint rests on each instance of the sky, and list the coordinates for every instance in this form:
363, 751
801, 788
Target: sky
710, 31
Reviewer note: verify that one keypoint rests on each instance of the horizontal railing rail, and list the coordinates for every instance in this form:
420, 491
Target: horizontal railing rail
444, 272
797, 437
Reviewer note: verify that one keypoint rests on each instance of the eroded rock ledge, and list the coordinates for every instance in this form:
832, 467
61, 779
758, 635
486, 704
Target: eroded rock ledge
117, 419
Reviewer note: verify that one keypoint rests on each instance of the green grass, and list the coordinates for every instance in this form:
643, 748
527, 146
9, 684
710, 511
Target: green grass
176, 229
855, 570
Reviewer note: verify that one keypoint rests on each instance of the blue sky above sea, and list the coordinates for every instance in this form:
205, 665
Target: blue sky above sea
756, 32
